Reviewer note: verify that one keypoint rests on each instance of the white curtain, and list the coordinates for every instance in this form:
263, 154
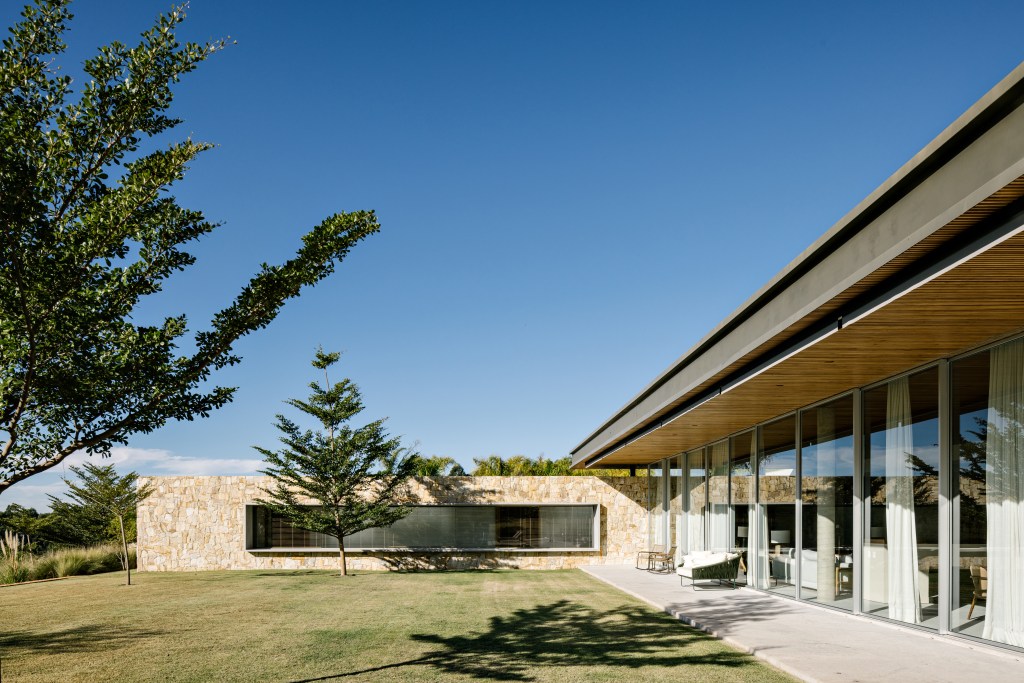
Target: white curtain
718, 537
695, 530
901, 533
719, 528
1004, 486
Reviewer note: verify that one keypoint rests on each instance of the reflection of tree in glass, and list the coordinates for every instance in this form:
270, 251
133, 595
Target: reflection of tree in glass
972, 469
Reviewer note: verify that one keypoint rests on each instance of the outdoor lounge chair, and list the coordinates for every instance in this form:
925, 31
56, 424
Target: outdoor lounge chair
644, 556
709, 566
662, 561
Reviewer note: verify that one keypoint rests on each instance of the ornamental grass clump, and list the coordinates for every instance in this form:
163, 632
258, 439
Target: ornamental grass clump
13, 568
20, 566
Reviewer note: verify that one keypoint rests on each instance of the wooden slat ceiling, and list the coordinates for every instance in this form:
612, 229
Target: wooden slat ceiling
968, 219
979, 301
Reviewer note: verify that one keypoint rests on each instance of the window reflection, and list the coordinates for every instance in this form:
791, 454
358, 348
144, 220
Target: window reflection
776, 512
988, 506
901, 487
826, 461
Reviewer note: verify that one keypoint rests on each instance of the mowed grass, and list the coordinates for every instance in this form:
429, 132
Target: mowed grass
315, 626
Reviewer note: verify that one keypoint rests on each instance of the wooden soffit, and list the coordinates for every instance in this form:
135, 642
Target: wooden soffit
979, 300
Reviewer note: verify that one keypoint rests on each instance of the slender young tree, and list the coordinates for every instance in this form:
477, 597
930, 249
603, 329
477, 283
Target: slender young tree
87, 229
337, 480
99, 490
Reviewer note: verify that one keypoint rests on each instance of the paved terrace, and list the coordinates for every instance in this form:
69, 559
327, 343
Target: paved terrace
816, 643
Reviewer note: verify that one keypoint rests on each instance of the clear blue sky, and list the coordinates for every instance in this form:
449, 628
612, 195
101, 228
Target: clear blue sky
570, 194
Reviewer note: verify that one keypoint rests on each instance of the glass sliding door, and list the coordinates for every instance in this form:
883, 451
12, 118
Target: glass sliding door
695, 493
988, 494
901, 491
719, 525
776, 471
675, 505
655, 506
741, 498
826, 476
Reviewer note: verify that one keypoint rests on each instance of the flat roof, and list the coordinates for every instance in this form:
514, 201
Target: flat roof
975, 159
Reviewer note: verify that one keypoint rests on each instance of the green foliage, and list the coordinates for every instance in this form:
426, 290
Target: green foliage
438, 466
35, 528
521, 466
13, 567
104, 503
63, 562
337, 480
89, 229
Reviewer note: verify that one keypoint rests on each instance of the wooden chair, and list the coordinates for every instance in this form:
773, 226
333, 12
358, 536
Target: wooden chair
663, 562
645, 556
979, 576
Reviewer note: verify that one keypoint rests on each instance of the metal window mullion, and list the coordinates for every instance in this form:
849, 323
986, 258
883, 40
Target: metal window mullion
798, 521
858, 497
755, 526
945, 499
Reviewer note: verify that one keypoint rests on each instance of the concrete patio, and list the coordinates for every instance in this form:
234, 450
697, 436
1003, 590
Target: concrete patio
816, 643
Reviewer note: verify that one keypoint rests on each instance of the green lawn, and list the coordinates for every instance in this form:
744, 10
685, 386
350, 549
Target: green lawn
314, 626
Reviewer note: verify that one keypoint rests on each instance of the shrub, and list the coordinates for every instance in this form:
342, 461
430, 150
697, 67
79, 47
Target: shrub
13, 573
71, 562
60, 563
44, 567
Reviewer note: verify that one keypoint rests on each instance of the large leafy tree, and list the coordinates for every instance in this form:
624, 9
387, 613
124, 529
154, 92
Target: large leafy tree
340, 479
87, 229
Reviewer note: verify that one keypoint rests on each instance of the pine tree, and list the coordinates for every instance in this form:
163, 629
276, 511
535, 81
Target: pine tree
101, 492
338, 480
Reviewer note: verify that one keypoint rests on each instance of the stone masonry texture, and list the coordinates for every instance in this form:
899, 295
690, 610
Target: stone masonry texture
198, 523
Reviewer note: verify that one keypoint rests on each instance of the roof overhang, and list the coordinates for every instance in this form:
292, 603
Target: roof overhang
923, 268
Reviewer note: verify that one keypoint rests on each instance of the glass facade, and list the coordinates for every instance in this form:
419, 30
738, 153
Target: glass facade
695, 488
901, 499
776, 506
741, 494
675, 503
987, 554
719, 532
826, 501
469, 527
655, 506
742, 448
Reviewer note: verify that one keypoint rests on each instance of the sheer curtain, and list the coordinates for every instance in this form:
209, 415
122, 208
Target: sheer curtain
719, 527
695, 530
1004, 484
901, 533
695, 494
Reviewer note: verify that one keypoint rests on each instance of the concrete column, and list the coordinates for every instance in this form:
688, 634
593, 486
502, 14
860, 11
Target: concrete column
826, 499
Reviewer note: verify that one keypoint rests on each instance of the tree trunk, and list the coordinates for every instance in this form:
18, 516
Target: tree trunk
124, 545
341, 558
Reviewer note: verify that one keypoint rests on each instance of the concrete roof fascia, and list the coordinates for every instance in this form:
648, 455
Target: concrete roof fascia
991, 108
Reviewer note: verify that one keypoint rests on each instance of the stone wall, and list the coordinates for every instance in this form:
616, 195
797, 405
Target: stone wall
198, 523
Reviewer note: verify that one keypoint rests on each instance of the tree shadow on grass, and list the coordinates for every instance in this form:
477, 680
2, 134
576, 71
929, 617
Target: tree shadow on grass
563, 634
90, 638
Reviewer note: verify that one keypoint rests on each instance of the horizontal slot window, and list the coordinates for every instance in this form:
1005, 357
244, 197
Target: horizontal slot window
443, 527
